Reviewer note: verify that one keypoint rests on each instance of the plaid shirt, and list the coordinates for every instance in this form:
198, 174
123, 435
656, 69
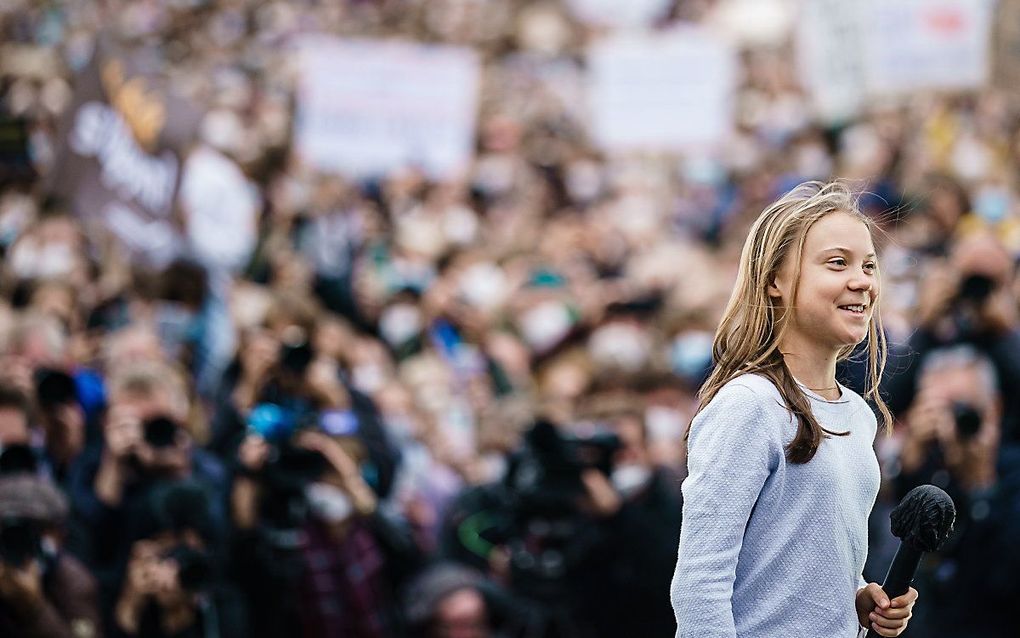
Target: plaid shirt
343, 588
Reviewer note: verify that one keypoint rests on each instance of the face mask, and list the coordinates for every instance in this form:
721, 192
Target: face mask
584, 182
368, 377
483, 285
545, 325
992, 205
691, 354
49, 260
328, 502
399, 323
629, 478
620, 345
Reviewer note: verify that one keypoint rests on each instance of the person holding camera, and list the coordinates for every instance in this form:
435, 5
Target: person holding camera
44, 591
953, 439
172, 585
313, 549
968, 298
144, 445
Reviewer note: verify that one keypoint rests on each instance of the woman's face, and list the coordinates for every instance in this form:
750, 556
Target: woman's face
838, 270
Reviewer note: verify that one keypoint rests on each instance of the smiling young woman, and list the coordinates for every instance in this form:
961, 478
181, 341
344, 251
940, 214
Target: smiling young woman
782, 472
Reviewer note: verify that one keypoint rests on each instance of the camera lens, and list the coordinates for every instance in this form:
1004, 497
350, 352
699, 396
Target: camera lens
160, 432
968, 420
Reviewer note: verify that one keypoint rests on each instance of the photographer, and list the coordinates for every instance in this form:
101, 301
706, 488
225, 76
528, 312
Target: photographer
171, 586
312, 548
279, 363
44, 592
953, 440
967, 299
646, 531
574, 532
145, 445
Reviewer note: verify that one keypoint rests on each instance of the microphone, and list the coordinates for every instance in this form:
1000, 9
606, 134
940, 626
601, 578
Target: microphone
922, 521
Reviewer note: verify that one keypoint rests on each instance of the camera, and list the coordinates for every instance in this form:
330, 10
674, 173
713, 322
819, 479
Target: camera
194, 570
20, 541
54, 388
160, 432
971, 296
541, 519
547, 475
967, 420
975, 288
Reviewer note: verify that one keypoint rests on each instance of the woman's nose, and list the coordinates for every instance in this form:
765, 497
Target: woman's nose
860, 282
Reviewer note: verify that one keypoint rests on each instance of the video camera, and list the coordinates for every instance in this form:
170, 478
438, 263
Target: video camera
546, 477
542, 521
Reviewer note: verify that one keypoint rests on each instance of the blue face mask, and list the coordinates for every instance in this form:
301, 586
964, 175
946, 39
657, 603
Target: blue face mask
992, 205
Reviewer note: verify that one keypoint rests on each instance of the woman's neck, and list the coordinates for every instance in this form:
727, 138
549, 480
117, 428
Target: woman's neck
816, 370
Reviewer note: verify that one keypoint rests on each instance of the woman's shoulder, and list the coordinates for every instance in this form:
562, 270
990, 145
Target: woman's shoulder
751, 385
748, 394
746, 409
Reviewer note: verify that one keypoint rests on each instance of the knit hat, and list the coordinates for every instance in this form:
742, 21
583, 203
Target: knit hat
29, 496
436, 583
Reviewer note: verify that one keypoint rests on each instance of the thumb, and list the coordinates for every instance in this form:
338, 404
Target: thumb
878, 595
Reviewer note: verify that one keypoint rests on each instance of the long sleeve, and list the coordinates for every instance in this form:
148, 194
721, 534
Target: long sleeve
733, 447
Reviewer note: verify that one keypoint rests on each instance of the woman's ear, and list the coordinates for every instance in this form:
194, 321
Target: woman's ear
774, 290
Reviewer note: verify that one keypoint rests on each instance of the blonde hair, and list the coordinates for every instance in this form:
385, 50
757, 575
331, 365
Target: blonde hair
747, 340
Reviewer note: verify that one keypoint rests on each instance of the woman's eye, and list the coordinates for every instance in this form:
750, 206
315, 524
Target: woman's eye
871, 265
838, 262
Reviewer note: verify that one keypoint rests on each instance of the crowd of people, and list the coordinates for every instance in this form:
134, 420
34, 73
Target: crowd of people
456, 408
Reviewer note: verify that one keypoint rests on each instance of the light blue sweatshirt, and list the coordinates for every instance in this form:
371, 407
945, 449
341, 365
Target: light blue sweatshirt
770, 549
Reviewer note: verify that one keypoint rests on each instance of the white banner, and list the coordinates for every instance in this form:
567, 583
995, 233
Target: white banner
367, 107
829, 57
913, 45
850, 52
661, 91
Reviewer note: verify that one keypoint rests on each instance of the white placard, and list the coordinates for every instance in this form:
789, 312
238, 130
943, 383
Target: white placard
369, 107
829, 57
221, 209
913, 45
614, 13
666, 91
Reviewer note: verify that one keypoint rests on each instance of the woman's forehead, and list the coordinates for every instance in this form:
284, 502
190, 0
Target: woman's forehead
839, 231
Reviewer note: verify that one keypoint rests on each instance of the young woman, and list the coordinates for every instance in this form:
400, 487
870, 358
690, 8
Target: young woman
782, 474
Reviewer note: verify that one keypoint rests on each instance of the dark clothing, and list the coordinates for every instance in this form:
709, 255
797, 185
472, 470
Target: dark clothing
899, 383
643, 539
304, 579
343, 592
70, 608
219, 614
112, 530
970, 587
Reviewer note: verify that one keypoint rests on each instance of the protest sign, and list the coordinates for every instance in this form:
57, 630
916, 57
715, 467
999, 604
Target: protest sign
662, 92
914, 45
367, 107
830, 62
220, 208
118, 165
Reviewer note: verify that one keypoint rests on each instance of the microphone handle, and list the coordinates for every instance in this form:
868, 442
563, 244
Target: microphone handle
901, 573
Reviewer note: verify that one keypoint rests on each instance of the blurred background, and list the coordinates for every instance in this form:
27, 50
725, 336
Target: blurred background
368, 318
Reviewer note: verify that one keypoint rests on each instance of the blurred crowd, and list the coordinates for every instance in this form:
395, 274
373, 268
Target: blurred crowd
456, 408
